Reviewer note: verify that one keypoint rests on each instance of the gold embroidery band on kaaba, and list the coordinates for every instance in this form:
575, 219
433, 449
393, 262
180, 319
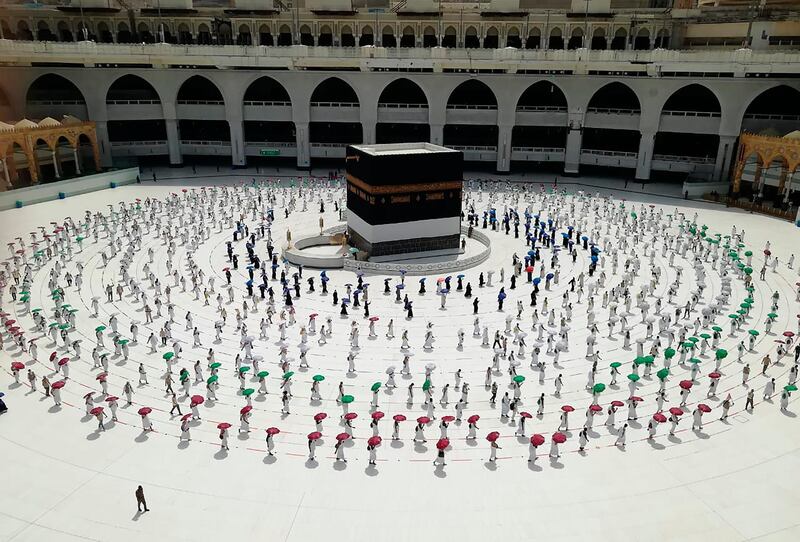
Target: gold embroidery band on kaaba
403, 188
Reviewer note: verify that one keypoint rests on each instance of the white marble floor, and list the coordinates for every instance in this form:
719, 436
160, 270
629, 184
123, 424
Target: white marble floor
732, 480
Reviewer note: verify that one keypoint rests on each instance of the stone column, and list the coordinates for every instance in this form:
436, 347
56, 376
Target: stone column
237, 142
104, 143
303, 146
6, 176
369, 120
504, 148
727, 145
55, 163
572, 154
77, 161
174, 143
437, 134
645, 156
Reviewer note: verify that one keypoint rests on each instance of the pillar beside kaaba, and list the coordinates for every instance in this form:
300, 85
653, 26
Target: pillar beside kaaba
404, 199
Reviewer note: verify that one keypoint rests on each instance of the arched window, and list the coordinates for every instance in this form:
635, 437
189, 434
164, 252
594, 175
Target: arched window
244, 37
325, 36
534, 39
556, 39
306, 37
450, 38
620, 39
491, 41
348, 40
599, 39
265, 36
407, 39
367, 37
512, 38
471, 40
576, 40
387, 37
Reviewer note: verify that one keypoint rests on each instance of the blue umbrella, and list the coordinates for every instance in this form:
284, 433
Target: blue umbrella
400, 286
324, 279
594, 258
549, 276
537, 280
460, 276
249, 283
422, 280
501, 296
531, 253
584, 238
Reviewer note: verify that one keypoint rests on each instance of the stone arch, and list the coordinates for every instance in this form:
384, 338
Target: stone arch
404, 90
407, 38
542, 96
266, 89
615, 96
556, 39
512, 38
492, 38
198, 88
429, 38
662, 39
367, 36
450, 38
243, 36
620, 39
265, 36
576, 39
53, 87
471, 40
334, 89
598, 38
534, 38
472, 92
64, 31
694, 97
131, 87
347, 38
642, 39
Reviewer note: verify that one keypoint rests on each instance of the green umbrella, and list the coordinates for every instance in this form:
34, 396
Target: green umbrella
65, 305
695, 360
215, 365
748, 253
53, 324
519, 379
123, 342
263, 374
598, 388
733, 316
748, 270
426, 385
749, 300
72, 311
318, 378
633, 377
347, 399
616, 364
24, 292
100, 328
243, 369
79, 238
64, 326
639, 360
669, 353
649, 360
693, 339
376, 386
212, 379
753, 332
184, 377
168, 355
705, 336
34, 311
248, 392
688, 344
772, 315
288, 375
25, 298
55, 292
790, 387
745, 305
716, 328
662, 373
742, 311
721, 353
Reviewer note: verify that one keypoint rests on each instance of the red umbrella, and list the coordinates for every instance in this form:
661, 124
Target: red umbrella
53, 355
529, 269
493, 436
273, 431
377, 415
399, 417
442, 443
96, 410
788, 334
474, 418
314, 435
659, 417
342, 436
685, 384
350, 416
186, 417
526, 414
58, 385
595, 408
617, 403
10, 323
198, 399
111, 399
17, 365
101, 377
559, 438
88, 394
63, 361
714, 375
313, 315
448, 419
224, 425
676, 411
226, 269
374, 441
320, 416
537, 439
423, 420
373, 318
567, 408
246, 409
635, 399
704, 408
144, 411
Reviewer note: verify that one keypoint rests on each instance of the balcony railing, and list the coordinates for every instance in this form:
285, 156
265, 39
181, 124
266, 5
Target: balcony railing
271, 144
205, 142
539, 150
482, 107
614, 110
261, 103
385, 105
473, 148
685, 159
141, 143
133, 102
708, 114
56, 102
334, 104
541, 109
770, 116
201, 102
615, 154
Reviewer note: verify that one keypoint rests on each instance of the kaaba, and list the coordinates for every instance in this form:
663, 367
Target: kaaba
404, 199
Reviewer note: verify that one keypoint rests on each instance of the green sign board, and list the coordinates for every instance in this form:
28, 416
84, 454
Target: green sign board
270, 152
